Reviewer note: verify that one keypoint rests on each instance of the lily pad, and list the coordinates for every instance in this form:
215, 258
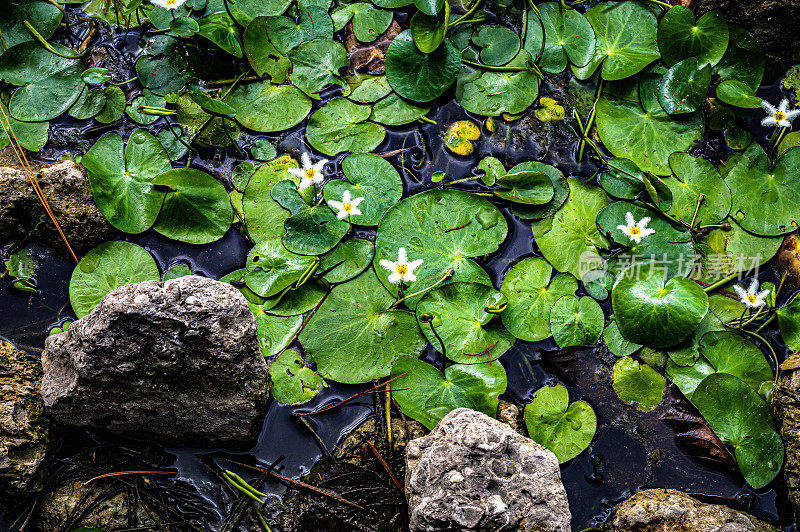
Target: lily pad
368, 21
655, 311
87, 105
395, 111
316, 64
684, 87
616, 343
568, 36
418, 76
427, 395
493, 93
575, 321
262, 54
121, 179
30, 135
268, 108
353, 338
284, 33
429, 31
271, 268
456, 320
106, 267
622, 178
738, 94
531, 294
696, 176
563, 428
560, 191
222, 31
639, 383
681, 37
647, 140
526, 187
498, 44
371, 177
274, 332
43, 16
264, 217
197, 210
741, 418
293, 382
311, 229
348, 259
444, 228
341, 125
743, 60
766, 200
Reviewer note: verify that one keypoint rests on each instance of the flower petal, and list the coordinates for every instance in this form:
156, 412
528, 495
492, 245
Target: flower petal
643, 222
741, 291
355, 202
306, 160
769, 121
297, 172
394, 278
768, 107
402, 258
629, 219
389, 265
410, 277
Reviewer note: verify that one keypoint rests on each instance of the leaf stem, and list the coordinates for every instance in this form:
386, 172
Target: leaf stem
466, 15
722, 282
449, 273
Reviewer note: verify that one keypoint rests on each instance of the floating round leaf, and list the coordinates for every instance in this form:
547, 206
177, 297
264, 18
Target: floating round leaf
560, 188
312, 23
698, 192
197, 210
616, 343
526, 187
371, 177
106, 267
348, 259
427, 395
222, 31
395, 111
264, 217
114, 107
680, 37
265, 107
655, 311
262, 54
368, 21
565, 429
274, 332
316, 64
738, 94
311, 229
30, 135
567, 36
743, 60
341, 126
684, 87
354, 338
493, 93
43, 16
293, 382
498, 44
639, 383
455, 319
622, 179
575, 321
272, 268
429, 31
121, 181
418, 76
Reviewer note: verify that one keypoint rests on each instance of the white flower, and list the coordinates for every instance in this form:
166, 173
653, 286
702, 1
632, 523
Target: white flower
347, 207
636, 231
169, 4
781, 116
402, 270
752, 297
309, 174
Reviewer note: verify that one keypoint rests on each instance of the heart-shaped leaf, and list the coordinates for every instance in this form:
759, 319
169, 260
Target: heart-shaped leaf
341, 126
371, 177
563, 428
311, 229
527, 187
738, 94
293, 382
498, 44
560, 191
316, 64
271, 268
418, 76
567, 36
493, 93
639, 383
683, 88
680, 37
696, 177
575, 321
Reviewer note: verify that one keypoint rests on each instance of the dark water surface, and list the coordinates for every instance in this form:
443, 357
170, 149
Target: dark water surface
631, 450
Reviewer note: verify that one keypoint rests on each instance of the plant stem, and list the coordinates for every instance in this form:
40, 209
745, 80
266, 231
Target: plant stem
590, 120
449, 273
467, 14
722, 282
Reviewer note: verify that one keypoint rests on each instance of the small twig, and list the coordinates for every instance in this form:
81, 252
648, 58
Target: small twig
356, 396
123, 473
385, 465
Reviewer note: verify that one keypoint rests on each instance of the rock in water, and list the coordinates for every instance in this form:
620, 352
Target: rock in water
176, 362
664, 510
786, 407
473, 472
24, 427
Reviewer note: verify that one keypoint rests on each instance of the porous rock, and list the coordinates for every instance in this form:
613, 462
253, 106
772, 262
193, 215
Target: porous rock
665, 510
66, 188
176, 362
786, 407
473, 472
24, 426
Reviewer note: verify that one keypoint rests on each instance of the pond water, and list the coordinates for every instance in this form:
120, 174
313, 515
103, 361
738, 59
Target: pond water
631, 450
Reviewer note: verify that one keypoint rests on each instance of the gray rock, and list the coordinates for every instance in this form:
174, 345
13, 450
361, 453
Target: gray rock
67, 190
475, 473
177, 362
664, 510
772, 22
24, 426
786, 407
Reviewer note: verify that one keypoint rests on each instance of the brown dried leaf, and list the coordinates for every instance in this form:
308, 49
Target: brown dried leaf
368, 57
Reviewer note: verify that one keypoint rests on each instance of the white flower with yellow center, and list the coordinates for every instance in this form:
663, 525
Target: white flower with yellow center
169, 4
309, 174
347, 207
751, 297
780, 116
402, 270
634, 230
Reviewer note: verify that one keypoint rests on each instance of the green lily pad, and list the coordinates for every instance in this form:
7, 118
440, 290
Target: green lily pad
444, 228
684, 87
293, 382
568, 36
222, 31
622, 179
429, 7
766, 200
395, 111
264, 217
30, 135
427, 395
696, 176
575, 321
177, 270
655, 311
353, 338
456, 320
197, 210
271, 268
626, 39
418, 76
147, 98
264, 58
311, 229
563, 428
531, 294
738, 94
274, 332
88, 104
616, 343
121, 180
789, 322
268, 108
741, 418
341, 125
371, 177
526, 187
647, 140
726, 251
347, 260
498, 44
570, 238
429, 31
284, 33
299, 301
106, 267
43, 16
367, 89
493, 169
114, 107
560, 191
639, 383
48, 84
681, 37
368, 21
743, 60
723, 352
316, 64
493, 93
